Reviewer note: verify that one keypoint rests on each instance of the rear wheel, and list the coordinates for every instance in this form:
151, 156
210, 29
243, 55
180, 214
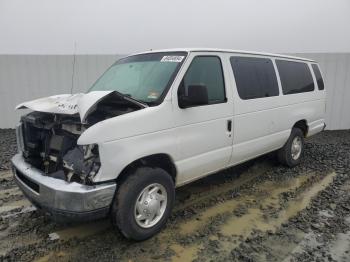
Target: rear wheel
291, 153
143, 203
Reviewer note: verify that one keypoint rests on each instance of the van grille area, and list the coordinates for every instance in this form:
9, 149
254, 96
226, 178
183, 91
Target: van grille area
35, 187
34, 141
44, 141
49, 143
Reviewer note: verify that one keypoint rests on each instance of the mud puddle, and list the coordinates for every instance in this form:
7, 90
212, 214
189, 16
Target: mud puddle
81, 231
10, 241
257, 217
9, 192
14, 205
184, 253
53, 256
200, 192
6, 175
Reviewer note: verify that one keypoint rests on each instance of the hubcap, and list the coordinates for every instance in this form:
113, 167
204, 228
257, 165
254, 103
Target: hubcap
150, 205
296, 147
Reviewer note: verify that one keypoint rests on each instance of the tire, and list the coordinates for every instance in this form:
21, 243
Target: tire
285, 154
124, 211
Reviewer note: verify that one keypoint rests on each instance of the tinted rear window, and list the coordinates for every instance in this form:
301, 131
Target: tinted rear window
255, 77
318, 76
295, 77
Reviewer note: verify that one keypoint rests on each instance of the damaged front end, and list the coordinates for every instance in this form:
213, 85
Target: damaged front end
48, 140
49, 143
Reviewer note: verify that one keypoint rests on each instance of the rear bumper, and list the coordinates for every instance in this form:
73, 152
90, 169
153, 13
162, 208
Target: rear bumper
61, 199
316, 127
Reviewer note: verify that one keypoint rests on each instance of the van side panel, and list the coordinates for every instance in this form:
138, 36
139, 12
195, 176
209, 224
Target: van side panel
263, 125
259, 126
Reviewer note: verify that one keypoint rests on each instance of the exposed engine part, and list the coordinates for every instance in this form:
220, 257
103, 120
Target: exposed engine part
59, 175
82, 161
111, 106
77, 129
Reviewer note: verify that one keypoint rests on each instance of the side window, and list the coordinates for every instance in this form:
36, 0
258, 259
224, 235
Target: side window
318, 76
255, 77
207, 71
295, 77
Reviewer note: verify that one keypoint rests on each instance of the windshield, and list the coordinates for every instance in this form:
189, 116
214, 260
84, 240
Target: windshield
144, 77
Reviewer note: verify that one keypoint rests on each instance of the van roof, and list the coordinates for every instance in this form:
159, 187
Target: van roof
227, 51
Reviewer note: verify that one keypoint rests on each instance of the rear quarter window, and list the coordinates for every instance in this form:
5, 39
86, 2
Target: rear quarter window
318, 76
295, 77
255, 77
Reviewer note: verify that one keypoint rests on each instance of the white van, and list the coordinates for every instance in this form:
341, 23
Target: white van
158, 120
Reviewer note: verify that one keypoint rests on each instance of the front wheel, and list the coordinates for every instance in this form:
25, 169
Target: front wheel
291, 153
143, 203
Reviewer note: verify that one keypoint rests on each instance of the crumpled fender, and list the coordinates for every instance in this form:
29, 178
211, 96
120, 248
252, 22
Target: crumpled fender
87, 102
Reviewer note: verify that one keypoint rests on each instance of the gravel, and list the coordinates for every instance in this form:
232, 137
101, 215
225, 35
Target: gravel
8, 147
258, 211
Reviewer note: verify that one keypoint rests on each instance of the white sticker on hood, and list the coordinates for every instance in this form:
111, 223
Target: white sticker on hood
172, 58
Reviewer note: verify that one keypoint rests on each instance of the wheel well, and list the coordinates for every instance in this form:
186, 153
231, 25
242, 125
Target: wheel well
301, 124
163, 161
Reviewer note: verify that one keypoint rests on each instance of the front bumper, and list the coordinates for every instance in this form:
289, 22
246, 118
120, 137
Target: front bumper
61, 199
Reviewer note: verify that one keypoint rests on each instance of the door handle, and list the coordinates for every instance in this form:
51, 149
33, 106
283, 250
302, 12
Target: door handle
229, 125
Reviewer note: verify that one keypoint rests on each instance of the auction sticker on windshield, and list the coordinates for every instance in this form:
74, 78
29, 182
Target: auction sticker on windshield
172, 58
153, 95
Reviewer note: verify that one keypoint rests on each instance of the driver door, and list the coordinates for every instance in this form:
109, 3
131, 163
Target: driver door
203, 132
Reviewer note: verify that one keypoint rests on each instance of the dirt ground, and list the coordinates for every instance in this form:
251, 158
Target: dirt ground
258, 211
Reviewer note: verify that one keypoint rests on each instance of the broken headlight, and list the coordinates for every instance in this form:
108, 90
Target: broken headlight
82, 163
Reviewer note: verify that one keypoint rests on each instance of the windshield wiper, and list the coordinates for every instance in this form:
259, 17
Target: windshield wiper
129, 97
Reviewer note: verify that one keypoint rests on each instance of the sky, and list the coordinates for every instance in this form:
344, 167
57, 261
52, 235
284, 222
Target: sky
122, 27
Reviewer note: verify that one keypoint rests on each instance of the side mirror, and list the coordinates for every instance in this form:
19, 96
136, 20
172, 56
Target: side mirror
197, 95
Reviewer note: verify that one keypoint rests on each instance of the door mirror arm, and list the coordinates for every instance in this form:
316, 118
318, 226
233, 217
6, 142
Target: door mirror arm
184, 102
197, 96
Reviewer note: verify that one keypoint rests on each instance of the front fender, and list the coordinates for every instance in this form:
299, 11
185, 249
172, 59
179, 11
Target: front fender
143, 121
118, 154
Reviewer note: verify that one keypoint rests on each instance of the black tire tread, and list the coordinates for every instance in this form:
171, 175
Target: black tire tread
120, 204
284, 153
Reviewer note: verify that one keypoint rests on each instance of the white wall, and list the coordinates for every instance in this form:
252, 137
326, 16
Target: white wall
26, 77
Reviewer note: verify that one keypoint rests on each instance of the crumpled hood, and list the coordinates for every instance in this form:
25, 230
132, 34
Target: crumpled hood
66, 103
